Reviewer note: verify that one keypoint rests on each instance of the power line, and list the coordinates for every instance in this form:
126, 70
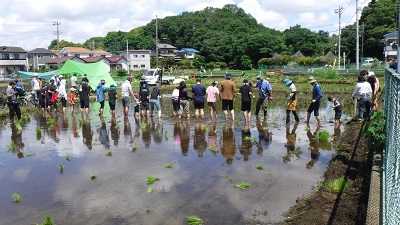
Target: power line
26, 25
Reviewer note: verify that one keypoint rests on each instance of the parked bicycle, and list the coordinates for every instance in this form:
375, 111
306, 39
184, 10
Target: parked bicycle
26, 99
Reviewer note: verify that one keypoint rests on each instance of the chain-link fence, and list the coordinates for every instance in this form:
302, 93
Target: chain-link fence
391, 163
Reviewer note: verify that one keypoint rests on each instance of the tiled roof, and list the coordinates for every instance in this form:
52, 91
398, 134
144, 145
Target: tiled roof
115, 59
77, 49
93, 59
100, 51
41, 51
62, 59
11, 49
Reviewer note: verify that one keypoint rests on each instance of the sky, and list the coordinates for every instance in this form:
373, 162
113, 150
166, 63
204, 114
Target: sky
29, 23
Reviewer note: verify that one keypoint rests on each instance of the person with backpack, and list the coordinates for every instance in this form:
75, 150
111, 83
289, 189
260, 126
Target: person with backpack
144, 94
101, 95
155, 101
112, 98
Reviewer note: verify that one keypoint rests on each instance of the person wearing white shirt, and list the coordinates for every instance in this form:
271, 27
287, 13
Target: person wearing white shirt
363, 92
126, 89
73, 81
35, 88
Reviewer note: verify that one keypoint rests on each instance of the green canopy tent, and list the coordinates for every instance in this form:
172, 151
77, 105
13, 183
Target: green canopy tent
28, 75
95, 72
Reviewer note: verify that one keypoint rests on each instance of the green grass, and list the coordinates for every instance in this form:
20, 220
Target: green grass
134, 148
61, 166
144, 126
150, 190
12, 146
151, 180
67, 157
51, 121
16, 198
38, 133
194, 220
19, 127
336, 186
259, 167
322, 136
109, 153
30, 154
298, 152
48, 220
93, 177
242, 185
169, 166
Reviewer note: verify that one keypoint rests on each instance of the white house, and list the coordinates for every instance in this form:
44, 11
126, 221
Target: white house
186, 53
390, 49
12, 59
137, 59
118, 62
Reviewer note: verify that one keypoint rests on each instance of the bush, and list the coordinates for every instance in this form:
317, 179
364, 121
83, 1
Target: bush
305, 61
122, 73
375, 131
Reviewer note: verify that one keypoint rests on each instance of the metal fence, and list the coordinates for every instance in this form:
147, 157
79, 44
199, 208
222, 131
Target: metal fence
391, 163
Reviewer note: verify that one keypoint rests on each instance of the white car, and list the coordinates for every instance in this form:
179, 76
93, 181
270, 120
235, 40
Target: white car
151, 76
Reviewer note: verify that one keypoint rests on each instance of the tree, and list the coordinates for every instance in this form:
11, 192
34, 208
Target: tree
245, 63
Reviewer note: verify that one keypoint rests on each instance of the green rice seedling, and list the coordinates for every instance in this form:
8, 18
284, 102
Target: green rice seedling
298, 152
212, 147
216, 131
93, 177
109, 153
265, 128
38, 133
48, 220
19, 127
322, 136
134, 148
12, 146
247, 138
117, 126
158, 132
51, 121
16, 197
29, 154
194, 220
150, 190
169, 166
307, 128
205, 127
253, 139
259, 167
67, 157
242, 185
80, 123
143, 126
336, 186
52, 127
166, 134
151, 179
61, 166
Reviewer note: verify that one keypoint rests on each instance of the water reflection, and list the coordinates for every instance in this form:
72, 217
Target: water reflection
156, 130
87, 133
114, 130
264, 135
146, 131
74, 127
228, 149
103, 134
16, 144
199, 138
246, 147
212, 143
290, 142
314, 148
185, 137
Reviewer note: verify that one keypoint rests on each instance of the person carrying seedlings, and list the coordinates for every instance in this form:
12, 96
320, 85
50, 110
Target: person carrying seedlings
245, 92
198, 91
176, 102
72, 99
315, 102
112, 98
101, 95
363, 93
228, 91
264, 94
155, 101
144, 98
212, 92
338, 109
291, 105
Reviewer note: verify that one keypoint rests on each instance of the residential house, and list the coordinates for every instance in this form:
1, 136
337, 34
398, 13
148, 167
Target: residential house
97, 59
12, 59
39, 56
118, 62
186, 53
137, 59
83, 52
53, 63
390, 42
164, 50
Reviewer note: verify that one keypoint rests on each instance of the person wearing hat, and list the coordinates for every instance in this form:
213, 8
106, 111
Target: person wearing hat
101, 95
62, 92
291, 105
363, 92
126, 90
264, 94
212, 92
74, 81
198, 92
35, 88
393, 64
112, 98
228, 91
12, 101
315, 102
246, 94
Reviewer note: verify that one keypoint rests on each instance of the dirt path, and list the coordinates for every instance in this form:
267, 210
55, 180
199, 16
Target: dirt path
352, 161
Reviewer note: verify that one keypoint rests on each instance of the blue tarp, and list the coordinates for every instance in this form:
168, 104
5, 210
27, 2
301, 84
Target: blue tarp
45, 76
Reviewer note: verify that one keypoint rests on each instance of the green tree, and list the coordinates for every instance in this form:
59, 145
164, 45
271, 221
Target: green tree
245, 63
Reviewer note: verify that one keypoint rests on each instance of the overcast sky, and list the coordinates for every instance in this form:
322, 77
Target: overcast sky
28, 23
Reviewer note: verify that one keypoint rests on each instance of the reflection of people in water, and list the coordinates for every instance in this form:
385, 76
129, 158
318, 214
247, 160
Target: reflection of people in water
16, 138
65, 122
146, 135
246, 147
228, 149
199, 139
264, 136
212, 138
114, 130
185, 137
127, 130
74, 126
291, 142
157, 130
177, 132
314, 149
104, 139
87, 134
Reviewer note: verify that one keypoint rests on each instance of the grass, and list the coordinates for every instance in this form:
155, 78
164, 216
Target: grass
298, 152
150, 190
16, 197
30, 154
259, 167
169, 166
151, 180
336, 186
12, 146
109, 153
61, 166
242, 185
322, 136
93, 177
51, 121
134, 148
38, 133
19, 127
67, 157
194, 220
48, 220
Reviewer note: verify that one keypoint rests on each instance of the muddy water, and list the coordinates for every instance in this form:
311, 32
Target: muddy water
201, 181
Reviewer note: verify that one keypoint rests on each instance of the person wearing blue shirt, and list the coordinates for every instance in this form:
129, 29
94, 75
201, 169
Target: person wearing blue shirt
100, 95
315, 102
199, 91
264, 94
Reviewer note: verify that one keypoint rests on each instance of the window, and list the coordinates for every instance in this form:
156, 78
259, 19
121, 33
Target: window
40, 56
142, 66
135, 66
22, 68
90, 55
52, 56
6, 56
78, 55
142, 56
135, 56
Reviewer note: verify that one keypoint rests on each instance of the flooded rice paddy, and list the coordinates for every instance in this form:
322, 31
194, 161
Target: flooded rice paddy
207, 158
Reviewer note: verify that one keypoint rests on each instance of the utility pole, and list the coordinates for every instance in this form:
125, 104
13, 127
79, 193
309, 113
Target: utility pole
357, 39
156, 43
127, 54
362, 40
58, 32
339, 11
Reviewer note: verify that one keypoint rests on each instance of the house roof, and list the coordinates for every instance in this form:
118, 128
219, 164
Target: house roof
84, 50
162, 45
115, 59
41, 51
394, 33
100, 51
62, 59
187, 50
11, 49
94, 59
54, 51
